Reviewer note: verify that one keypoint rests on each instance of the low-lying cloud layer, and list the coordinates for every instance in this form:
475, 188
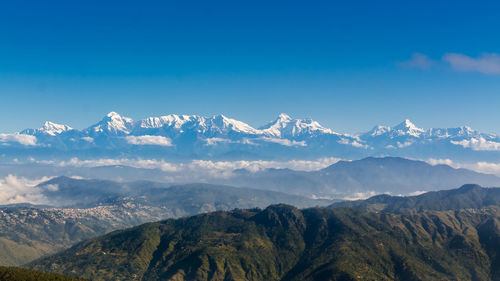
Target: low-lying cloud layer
23, 139
149, 140
199, 165
480, 167
479, 144
15, 190
198, 169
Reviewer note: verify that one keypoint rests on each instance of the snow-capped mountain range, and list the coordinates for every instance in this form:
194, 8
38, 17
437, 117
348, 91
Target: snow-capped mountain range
197, 137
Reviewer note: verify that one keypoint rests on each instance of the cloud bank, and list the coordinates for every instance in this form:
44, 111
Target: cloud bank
198, 169
479, 144
149, 140
23, 139
15, 190
480, 167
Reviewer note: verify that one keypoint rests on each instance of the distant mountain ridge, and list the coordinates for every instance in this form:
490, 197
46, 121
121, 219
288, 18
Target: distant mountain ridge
363, 178
182, 199
193, 136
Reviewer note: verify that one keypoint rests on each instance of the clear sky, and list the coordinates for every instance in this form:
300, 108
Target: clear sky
348, 64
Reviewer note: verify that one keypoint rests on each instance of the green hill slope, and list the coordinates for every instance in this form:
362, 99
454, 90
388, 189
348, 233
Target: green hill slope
284, 243
24, 274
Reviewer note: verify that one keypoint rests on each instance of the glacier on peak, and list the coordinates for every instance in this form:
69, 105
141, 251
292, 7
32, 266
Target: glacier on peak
405, 128
408, 128
54, 129
112, 123
287, 127
48, 128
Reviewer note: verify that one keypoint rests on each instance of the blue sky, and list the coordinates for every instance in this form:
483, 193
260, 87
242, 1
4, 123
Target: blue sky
348, 64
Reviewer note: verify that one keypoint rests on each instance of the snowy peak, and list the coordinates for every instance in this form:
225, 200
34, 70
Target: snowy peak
408, 128
53, 129
218, 124
287, 127
172, 120
222, 124
405, 128
48, 128
463, 131
112, 123
379, 130
283, 117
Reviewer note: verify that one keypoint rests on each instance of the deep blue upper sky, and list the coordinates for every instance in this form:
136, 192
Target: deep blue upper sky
347, 64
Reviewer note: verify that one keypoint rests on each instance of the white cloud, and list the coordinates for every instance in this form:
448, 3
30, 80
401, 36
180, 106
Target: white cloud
23, 139
417, 60
21, 190
149, 140
284, 142
354, 143
478, 144
197, 170
51, 187
88, 139
253, 141
434, 162
487, 167
416, 193
480, 167
361, 195
404, 144
215, 141
486, 63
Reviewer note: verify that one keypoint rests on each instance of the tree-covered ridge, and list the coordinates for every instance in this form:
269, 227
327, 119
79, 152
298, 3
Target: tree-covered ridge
285, 243
24, 274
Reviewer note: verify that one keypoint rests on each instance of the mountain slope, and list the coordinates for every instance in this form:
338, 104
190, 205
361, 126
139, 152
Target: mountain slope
89, 208
284, 243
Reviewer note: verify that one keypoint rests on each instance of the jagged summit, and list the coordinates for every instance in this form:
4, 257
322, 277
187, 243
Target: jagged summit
284, 116
286, 126
223, 124
405, 128
112, 123
48, 128
408, 128
113, 114
54, 129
